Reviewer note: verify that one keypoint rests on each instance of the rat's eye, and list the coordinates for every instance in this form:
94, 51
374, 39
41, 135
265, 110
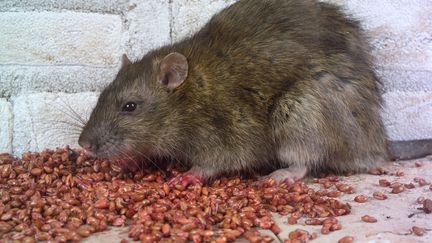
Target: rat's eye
129, 107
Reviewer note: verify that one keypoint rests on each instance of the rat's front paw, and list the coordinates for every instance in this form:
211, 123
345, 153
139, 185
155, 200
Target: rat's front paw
185, 180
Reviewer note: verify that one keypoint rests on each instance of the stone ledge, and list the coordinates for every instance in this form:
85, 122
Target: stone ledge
400, 150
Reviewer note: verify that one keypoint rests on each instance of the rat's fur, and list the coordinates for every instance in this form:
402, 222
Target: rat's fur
270, 82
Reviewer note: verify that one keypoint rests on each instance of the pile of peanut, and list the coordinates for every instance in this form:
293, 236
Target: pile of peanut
64, 196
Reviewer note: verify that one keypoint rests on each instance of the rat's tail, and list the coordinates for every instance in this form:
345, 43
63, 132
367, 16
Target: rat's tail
405, 150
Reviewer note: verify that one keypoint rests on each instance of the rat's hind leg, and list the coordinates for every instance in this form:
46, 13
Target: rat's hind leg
296, 159
299, 135
288, 175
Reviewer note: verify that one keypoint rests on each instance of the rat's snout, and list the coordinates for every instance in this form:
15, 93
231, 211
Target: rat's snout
90, 145
98, 140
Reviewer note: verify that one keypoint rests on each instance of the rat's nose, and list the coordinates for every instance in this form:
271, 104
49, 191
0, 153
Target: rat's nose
86, 144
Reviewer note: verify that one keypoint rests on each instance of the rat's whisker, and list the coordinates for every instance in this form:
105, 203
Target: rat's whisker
138, 151
68, 112
132, 159
173, 156
120, 151
57, 134
74, 113
61, 132
66, 126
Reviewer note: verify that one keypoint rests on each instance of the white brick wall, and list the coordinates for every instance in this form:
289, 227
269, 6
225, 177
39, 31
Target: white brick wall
43, 120
60, 53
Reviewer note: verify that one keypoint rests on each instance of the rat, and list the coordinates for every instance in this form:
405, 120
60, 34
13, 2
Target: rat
281, 84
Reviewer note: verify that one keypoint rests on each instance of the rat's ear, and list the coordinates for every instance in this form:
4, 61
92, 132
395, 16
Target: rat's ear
125, 61
173, 70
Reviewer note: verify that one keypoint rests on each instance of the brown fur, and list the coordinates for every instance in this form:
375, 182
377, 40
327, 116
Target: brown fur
270, 82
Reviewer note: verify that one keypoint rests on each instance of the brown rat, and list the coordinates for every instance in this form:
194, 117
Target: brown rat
285, 84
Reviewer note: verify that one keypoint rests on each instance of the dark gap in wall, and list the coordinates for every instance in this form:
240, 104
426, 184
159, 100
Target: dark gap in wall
170, 2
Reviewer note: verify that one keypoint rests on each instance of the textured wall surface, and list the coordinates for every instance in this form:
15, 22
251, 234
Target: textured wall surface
56, 55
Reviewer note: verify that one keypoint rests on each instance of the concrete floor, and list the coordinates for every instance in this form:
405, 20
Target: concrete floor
396, 215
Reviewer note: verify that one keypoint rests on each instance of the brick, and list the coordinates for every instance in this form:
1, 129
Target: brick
16, 79
39, 38
42, 120
148, 24
400, 31
188, 16
6, 122
405, 80
408, 115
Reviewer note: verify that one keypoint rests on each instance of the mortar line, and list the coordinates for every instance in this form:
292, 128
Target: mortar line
171, 20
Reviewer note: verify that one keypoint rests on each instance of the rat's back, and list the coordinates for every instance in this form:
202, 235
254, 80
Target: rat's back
277, 41
301, 71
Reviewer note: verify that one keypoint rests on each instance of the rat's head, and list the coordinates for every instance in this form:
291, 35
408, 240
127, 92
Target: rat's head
133, 114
